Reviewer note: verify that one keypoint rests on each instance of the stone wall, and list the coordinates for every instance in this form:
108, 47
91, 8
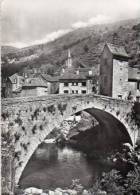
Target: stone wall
106, 72
120, 79
31, 119
7, 170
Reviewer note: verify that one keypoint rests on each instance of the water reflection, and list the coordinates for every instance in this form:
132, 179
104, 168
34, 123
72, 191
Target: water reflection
52, 167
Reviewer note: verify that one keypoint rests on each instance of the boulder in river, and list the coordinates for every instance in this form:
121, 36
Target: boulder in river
72, 192
51, 192
33, 190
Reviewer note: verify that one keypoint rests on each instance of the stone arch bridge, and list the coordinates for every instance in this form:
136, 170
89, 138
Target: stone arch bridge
31, 119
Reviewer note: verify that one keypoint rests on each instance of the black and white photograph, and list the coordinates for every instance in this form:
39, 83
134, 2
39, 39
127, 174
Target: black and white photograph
70, 97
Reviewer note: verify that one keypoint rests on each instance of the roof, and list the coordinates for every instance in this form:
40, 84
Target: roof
134, 74
72, 76
50, 78
77, 74
117, 50
34, 82
14, 76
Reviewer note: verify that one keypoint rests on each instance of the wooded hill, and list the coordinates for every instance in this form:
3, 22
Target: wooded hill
85, 44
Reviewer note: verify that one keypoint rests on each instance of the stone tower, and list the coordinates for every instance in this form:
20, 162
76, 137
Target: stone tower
114, 71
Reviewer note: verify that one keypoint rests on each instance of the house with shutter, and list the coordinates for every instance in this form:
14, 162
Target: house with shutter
77, 80
13, 85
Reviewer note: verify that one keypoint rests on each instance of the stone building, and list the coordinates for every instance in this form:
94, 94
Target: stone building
134, 82
76, 83
13, 86
77, 80
34, 87
114, 71
52, 83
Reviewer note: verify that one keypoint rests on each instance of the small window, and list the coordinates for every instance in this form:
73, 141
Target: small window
76, 91
72, 91
138, 85
120, 68
120, 96
66, 84
15, 80
84, 84
105, 79
66, 91
137, 98
74, 84
83, 91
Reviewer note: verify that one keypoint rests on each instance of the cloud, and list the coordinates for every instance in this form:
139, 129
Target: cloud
52, 36
99, 19
36, 21
48, 38
16, 44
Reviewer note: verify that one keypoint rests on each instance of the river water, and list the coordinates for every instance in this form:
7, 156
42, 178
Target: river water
51, 167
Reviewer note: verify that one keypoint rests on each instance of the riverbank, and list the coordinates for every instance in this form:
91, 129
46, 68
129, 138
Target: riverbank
114, 182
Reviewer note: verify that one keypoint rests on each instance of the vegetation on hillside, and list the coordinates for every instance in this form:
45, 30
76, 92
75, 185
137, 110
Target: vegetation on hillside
85, 44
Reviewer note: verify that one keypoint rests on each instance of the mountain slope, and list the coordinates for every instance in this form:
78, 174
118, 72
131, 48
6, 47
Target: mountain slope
85, 44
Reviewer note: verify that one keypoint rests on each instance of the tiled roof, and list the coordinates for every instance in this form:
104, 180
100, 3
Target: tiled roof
72, 76
134, 74
14, 76
117, 50
34, 82
77, 73
50, 78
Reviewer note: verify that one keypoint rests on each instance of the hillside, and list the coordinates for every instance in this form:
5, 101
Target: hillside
8, 49
85, 44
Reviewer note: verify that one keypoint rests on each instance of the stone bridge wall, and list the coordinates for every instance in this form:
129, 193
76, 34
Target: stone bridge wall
31, 119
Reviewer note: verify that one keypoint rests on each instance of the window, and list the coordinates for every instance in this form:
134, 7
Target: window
83, 91
137, 98
72, 91
138, 85
15, 80
74, 84
76, 91
66, 91
66, 84
84, 84
105, 79
120, 96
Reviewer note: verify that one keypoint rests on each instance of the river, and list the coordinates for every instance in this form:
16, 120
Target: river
51, 167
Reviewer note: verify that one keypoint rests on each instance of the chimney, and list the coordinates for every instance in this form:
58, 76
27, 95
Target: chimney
77, 72
90, 72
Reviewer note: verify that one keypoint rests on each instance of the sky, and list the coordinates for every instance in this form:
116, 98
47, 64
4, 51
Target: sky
28, 22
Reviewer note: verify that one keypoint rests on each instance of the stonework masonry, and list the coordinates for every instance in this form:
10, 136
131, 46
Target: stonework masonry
31, 119
120, 79
7, 169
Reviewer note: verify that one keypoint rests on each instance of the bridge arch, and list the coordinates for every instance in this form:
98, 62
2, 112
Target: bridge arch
32, 119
